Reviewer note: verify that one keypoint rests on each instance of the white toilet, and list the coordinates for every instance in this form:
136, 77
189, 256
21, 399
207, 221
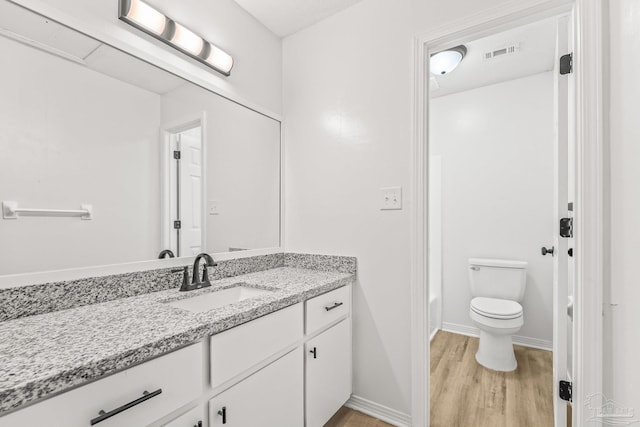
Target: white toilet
497, 287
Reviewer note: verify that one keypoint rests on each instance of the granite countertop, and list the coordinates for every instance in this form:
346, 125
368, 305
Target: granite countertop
49, 353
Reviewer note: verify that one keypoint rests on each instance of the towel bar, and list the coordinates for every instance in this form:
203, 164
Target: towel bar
10, 210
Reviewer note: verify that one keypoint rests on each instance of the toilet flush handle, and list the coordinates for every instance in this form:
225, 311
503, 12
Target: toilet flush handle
474, 268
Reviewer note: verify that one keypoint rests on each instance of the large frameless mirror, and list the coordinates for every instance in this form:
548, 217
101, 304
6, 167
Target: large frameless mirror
107, 159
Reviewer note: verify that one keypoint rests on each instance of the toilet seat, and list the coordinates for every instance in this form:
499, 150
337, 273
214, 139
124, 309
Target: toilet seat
496, 308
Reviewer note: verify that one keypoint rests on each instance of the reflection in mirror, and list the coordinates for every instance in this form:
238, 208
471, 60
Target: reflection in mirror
184, 190
161, 163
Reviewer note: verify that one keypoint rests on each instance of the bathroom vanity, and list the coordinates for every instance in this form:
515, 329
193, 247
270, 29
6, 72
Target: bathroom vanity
158, 163
281, 357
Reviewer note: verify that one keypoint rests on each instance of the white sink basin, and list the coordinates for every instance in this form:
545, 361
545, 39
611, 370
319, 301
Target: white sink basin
211, 300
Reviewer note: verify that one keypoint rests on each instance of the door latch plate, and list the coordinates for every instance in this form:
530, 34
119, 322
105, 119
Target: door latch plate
566, 227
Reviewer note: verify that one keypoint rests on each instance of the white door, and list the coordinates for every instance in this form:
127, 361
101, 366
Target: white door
327, 373
561, 210
190, 146
273, 396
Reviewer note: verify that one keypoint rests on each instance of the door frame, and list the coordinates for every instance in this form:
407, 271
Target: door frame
167, 130
590, 183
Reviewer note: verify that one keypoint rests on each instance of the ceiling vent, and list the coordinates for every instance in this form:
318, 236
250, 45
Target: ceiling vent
503, 51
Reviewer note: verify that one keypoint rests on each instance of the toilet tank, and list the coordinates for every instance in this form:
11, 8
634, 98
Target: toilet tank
497, 278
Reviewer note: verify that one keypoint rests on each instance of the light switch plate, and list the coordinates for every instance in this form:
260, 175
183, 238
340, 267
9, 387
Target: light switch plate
390, 198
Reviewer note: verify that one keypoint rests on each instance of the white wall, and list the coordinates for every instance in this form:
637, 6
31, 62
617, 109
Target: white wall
347, 105
257, 73
66, 138
622, 374
435, 243
242, 168
496, 144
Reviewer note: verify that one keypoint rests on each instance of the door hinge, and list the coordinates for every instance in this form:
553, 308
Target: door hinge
566, 64
176, 154
565, 391
177, 225
566, 227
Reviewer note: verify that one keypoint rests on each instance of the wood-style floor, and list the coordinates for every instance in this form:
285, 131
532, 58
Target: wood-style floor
465, 394
346, 417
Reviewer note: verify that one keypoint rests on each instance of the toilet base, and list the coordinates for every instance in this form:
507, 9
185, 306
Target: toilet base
496, 352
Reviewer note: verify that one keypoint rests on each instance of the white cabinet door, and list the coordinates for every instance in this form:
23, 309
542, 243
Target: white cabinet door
272, 397
328, 373
193, 418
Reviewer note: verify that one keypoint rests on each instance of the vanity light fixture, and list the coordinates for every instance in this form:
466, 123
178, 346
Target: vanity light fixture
141, 15
445, 61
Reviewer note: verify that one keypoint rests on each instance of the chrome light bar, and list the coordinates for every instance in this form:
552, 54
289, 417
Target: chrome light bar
146, 18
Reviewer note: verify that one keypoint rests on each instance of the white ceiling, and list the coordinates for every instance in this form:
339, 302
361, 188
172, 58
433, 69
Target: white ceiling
285, 17
536, 54
127, 68
23, 23
29, 28
536, 46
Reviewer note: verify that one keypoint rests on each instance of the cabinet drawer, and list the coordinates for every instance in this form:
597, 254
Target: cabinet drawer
238, 349
327, 308
178, 376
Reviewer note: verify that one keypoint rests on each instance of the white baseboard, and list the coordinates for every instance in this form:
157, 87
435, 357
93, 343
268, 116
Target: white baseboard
472, 331
378, 411
433, 334
469, 331
533, 342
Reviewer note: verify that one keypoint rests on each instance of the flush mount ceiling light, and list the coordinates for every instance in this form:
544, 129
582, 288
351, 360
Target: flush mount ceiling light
153, 22
445, 61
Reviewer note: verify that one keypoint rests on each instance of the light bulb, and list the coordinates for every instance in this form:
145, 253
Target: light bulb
146, 16
444, 62
220, 59
187, 40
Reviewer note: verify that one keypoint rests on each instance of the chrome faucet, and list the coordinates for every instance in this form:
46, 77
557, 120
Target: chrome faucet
196, 283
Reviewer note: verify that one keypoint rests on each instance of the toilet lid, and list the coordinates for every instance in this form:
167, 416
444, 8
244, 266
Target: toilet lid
496, 308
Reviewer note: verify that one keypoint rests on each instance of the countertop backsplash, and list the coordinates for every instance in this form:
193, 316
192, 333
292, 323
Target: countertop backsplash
341, 264
22, 301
